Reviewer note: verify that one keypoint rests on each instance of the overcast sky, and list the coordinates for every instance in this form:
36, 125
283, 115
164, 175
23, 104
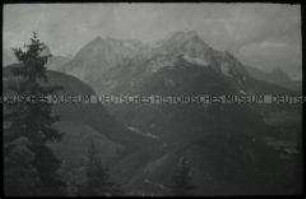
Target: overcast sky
262, 35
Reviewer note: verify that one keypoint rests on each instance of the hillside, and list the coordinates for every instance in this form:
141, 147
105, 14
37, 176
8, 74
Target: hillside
83, 124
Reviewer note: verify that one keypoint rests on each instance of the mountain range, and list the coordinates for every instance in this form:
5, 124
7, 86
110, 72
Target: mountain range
121, 65
232, 149
112, 59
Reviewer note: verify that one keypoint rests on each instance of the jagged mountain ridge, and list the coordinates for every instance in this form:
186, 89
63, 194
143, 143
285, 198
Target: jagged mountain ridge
100, 56
111, 65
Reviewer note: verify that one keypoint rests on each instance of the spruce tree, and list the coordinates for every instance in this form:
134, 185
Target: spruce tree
98, 182
32, 123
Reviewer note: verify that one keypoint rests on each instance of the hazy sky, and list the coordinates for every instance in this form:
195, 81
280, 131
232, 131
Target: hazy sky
263, 35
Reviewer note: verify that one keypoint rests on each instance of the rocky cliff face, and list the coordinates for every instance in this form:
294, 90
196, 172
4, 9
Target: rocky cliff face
111, 65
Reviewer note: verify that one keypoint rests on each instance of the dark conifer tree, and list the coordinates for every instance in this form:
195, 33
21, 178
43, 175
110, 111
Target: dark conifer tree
31, 122
99, 182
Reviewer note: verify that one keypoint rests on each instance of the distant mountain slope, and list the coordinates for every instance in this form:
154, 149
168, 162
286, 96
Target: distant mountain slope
277, 77
57, 62
122, 66
101, 57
